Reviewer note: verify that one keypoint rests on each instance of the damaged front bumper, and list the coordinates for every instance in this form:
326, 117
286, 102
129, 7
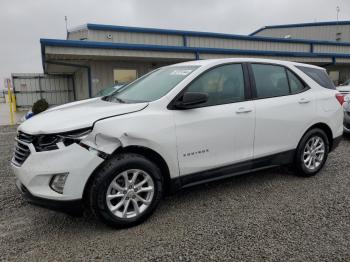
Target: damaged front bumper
37, 171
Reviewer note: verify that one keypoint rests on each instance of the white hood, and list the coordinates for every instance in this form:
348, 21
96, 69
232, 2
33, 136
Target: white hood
76, 115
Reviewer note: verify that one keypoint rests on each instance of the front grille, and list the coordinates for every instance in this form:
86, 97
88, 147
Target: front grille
25, 137
21, 151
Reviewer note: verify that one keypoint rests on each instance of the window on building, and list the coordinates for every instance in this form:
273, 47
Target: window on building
270, 80
123, 76
224, 84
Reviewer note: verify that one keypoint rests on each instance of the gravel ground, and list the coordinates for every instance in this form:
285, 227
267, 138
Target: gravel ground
270, 215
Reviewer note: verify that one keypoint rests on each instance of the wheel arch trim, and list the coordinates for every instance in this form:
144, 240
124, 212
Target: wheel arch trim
148, 153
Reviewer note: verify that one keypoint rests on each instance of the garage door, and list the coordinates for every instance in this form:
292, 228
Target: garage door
55, 89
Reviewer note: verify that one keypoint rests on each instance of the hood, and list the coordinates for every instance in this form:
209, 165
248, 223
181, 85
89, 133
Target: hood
76, 115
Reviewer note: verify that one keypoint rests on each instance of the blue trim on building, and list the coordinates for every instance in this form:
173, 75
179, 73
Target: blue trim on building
184, 40
204, 34
258, 31
301, 25
197, 55
194, 50
311, 48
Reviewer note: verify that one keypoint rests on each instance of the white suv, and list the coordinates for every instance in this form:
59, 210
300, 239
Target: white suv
177, 126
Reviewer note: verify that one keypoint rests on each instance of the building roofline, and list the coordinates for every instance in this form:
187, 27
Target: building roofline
161, 48
185, 33
301, 25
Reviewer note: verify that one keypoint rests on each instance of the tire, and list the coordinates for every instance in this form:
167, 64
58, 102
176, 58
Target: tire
303, 166
111, 180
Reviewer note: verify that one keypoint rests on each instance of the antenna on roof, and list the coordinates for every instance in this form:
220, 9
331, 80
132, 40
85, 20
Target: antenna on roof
338, 11
66, 21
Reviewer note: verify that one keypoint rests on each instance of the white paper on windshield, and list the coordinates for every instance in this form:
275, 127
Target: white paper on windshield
182, 72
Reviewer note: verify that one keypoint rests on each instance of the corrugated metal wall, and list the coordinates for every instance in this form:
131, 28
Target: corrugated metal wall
55, 52
81, 83
211, 42
29, 88
326, 32
193, 41
332, 49
81, 34
135, 38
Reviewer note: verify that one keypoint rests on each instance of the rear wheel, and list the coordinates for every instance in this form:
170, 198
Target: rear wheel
312, 153
126, 190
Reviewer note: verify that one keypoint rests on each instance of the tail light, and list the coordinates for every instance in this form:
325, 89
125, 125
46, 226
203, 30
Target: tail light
340, 98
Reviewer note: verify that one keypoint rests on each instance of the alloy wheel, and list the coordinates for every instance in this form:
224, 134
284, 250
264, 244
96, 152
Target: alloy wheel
314, 152
130, 193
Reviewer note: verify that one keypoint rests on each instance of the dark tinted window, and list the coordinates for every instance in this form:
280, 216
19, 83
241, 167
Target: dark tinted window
320, 76
295, 83
224, 84
270, 80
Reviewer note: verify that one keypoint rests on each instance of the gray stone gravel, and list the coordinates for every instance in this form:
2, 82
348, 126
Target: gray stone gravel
264, 216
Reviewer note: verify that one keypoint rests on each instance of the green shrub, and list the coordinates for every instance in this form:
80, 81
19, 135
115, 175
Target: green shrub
40, 106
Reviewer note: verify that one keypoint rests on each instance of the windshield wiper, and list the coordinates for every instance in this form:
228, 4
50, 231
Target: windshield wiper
112, 98
120, 100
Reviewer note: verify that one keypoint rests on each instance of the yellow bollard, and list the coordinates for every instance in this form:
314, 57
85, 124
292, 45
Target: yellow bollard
14, 106
9, 93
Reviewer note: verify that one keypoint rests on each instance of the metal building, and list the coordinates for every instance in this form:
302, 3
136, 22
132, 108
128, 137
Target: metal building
327, 31
96, 56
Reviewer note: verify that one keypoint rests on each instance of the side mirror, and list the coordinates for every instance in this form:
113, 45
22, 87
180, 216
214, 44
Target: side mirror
191, 99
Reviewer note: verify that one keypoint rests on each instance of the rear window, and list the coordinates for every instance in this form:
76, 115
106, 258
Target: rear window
320, 76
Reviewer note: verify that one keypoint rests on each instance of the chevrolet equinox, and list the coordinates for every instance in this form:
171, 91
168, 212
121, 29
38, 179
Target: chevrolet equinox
177, 126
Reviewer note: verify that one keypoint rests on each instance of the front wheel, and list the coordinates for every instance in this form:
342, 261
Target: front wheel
126, 190
312, 153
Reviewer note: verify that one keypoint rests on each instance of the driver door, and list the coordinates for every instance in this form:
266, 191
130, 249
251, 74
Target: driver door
219, 132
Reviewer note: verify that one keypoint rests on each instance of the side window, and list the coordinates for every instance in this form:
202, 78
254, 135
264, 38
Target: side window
270, 80
296, 85
320, 76
224, 84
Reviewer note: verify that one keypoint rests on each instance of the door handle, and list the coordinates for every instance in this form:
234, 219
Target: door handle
243, 110
304, 101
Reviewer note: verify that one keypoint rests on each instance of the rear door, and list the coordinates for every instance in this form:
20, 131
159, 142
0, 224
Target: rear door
285, 106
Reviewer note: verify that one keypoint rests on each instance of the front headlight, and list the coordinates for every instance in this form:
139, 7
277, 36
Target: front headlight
74, 136
50, 141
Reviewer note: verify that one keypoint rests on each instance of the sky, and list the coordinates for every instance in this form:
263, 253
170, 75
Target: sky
24, 22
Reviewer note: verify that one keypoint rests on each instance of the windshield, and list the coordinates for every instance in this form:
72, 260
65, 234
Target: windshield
153, 85
347, 82
108, 91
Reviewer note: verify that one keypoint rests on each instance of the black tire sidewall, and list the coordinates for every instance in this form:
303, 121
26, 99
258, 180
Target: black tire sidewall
111, 169
302, 170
